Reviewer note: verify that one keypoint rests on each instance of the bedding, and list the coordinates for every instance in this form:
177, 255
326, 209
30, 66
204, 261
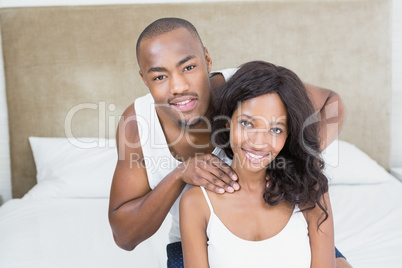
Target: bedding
59, 230
73, 232
72, 167
367, 219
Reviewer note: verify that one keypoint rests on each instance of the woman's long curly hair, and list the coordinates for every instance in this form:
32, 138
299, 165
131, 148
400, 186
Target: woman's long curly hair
299, 179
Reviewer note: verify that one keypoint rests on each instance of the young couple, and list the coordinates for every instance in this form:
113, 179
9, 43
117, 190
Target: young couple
267, 207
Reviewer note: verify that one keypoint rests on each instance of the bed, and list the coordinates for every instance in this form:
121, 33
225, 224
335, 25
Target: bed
71, 71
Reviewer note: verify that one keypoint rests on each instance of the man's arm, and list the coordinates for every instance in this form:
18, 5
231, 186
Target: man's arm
135, 211
332, 112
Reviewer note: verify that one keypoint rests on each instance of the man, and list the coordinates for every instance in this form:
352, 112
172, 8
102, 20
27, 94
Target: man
164, 139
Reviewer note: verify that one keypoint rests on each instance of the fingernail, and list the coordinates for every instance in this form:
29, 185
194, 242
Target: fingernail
221, 191
230, 189
236, 186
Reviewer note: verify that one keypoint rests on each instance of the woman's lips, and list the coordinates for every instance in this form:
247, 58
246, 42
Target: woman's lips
253, 157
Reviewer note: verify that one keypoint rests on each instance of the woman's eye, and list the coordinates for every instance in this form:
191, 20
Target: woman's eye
276, 130
245, 123
188, 68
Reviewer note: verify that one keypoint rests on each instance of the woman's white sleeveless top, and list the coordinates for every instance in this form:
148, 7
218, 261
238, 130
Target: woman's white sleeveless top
289, 248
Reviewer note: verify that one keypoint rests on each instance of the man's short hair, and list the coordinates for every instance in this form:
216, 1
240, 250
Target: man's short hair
165, 25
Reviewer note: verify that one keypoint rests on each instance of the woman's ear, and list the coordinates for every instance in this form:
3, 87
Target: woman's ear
227, 125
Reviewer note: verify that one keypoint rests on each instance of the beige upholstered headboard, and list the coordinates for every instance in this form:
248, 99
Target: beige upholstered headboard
78, 64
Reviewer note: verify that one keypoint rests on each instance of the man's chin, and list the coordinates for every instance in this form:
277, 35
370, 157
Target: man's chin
190, 123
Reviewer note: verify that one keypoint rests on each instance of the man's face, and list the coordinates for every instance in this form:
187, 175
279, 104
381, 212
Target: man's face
175, 68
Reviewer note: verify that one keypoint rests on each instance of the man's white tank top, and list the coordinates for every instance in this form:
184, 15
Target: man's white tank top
289, 248
158, 160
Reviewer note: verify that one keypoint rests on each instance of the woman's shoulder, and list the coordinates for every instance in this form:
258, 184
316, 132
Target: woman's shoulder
192, 197
194, 206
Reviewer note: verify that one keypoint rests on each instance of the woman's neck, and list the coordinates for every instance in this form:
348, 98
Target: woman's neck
249, 180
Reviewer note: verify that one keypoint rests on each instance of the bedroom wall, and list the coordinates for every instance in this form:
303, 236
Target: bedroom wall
5, 185
396, 158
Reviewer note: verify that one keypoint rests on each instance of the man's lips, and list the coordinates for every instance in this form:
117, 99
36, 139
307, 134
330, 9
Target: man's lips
255, 157
184, 104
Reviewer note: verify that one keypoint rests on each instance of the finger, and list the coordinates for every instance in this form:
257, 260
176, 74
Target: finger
224, 172
220, 173
210, 182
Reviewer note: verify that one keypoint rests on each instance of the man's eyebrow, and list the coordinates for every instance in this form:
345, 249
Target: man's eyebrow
163, 69
185, 60
156, 69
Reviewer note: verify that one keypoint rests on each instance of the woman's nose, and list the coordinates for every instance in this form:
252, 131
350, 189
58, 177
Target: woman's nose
259, 138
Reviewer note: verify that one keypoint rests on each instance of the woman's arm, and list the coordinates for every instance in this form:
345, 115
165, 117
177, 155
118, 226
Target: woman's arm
322, 239
194, 215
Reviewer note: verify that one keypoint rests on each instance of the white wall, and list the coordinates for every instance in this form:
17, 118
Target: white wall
396, 158
5, 173
5, 184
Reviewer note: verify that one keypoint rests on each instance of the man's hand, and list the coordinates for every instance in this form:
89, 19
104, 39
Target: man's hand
209, 171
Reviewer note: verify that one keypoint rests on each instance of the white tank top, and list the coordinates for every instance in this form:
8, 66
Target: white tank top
288, 249
159, 162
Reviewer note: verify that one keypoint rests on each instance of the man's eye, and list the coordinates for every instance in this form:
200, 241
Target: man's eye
245, 123
188, 68
160, 77
276, 130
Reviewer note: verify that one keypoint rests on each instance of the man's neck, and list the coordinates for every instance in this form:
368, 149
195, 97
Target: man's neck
217, 80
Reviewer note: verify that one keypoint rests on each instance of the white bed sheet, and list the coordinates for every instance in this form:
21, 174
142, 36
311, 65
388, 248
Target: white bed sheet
76, 233
69, 233
368, 223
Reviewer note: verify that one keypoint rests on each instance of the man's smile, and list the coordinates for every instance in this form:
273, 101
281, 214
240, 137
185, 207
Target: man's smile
184, 104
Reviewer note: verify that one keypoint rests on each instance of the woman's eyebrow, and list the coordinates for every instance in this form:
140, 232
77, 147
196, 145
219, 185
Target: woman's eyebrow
279, 123
245, 115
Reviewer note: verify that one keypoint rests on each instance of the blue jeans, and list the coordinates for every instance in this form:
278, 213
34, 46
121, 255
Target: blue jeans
175, 255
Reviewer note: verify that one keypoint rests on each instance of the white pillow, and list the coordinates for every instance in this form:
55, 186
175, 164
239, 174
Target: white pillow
66, 168
347, 164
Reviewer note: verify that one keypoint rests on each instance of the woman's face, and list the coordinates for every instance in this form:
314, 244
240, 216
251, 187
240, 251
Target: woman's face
258, 132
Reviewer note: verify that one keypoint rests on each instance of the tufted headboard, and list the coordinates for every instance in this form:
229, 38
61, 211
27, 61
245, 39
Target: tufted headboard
75, 67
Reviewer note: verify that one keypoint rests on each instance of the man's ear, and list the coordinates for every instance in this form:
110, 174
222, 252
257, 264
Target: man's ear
143, 79
208, 60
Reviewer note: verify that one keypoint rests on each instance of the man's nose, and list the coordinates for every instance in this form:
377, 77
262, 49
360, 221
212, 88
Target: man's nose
178, 84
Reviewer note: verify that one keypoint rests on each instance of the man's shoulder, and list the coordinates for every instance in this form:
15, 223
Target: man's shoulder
132, 107
226, 73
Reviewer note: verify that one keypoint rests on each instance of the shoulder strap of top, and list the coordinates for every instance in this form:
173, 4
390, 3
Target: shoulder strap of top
207, 198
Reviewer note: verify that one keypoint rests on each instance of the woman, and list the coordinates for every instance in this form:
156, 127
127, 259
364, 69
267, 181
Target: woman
281, 216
